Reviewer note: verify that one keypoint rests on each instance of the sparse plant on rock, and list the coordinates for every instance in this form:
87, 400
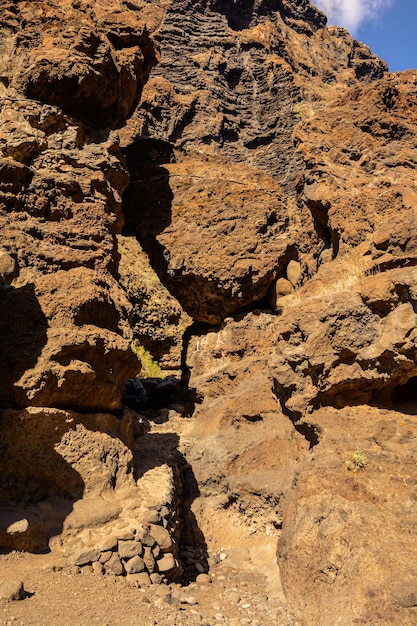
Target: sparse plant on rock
150, 368
357, 462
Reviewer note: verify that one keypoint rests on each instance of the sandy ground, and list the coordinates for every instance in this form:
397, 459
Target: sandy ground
56, 595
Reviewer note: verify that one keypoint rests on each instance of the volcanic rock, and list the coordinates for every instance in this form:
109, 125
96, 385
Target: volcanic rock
60, 199
256, 231
209, 200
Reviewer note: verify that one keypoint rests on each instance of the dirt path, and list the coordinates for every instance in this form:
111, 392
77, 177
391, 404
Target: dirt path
56, 595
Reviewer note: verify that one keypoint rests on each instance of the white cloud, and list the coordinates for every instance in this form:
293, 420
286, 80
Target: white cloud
352, 13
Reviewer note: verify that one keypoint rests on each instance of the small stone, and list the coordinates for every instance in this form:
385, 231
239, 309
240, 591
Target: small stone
222, 556
125, 535
105, 556
149, 559
203, 579
185, 554
12, 590
153, 517
162, 537
156, 579
140, 580
135, 565
156, 551
166, 563
114, 565
293, 272
199, 567
146, 538
86, 556
164, 511
21, 526
191, 600
129, 549
8, 268
98, 568
279, 288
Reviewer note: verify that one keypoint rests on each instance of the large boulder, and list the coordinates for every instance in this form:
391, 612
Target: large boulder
90, 61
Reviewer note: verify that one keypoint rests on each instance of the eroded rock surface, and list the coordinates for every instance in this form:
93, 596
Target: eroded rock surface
272, 189
217, 212
60, 198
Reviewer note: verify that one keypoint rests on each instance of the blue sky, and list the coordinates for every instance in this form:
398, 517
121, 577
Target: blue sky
388, 27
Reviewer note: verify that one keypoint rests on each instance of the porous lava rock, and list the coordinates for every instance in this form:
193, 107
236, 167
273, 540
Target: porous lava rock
217, 213
221, 239
66, 319
89, 59
348, 529
272, 164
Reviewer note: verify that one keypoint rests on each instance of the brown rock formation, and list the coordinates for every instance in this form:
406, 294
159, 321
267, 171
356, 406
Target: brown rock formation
272, 190
60, 198
348, 533
224, 113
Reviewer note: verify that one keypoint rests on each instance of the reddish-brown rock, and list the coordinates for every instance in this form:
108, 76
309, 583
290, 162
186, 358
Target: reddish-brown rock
345, 552
217, 233
66, 319
91, 61
216, 213
272, 187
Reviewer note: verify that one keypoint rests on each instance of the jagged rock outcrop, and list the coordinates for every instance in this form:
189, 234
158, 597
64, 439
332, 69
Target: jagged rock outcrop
342, 167
271, 165
359, 153
93, 69
158, 320
344, 554
63, 175
227, 108
220, 241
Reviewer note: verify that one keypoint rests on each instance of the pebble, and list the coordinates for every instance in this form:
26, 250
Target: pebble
191, 600
203, 579
12, 590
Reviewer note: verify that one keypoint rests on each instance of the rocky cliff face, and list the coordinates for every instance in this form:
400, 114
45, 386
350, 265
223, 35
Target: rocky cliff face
63, 175
250, 72
255, 227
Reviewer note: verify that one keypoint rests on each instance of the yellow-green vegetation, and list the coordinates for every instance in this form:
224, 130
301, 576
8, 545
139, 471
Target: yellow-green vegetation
303, 110
150, 368
357, 461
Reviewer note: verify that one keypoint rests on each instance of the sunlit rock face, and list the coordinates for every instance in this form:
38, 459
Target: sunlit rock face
216, 171
69, 73
268, 174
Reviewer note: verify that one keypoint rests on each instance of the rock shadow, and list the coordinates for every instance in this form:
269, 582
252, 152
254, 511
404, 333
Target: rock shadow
384, 395
238, 13
37, 486
153, 450
23, 329
148, 199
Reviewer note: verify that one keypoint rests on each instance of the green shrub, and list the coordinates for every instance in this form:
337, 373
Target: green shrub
150, 368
